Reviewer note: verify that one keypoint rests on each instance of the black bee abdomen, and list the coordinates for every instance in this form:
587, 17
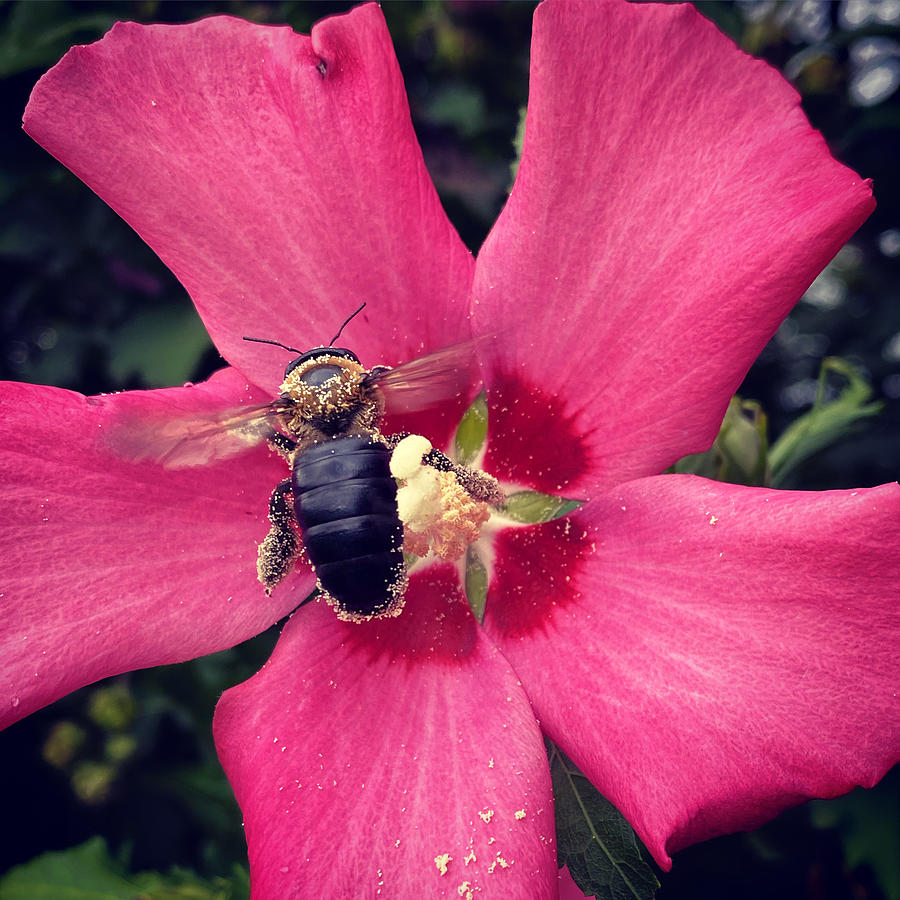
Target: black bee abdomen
345, 501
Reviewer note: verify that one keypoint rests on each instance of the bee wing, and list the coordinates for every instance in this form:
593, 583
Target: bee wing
430, 379
195, 440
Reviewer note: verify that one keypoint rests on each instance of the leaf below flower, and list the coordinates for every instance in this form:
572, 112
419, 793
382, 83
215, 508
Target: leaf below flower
593, 838
89, 871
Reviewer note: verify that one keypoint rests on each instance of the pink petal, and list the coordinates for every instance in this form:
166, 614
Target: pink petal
112, 565
568, 890
362, 754
714, 653
671, 206
277, 175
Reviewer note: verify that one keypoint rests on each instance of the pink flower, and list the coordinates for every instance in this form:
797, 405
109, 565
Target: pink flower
707, 654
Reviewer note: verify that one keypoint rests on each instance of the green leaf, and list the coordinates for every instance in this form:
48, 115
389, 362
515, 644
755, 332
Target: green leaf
531, 507
37, 34
869, 825
80, 873
163, 346
459, 106
518, 142
827, 422
594, 840
88, 872
472, 431
205, 792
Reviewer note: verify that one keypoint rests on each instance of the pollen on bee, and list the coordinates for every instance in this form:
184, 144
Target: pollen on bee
397, 591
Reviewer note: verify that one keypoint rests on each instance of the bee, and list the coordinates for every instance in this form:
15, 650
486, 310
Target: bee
339, 504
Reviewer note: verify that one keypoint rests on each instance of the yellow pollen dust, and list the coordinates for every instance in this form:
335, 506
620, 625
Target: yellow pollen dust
439, 515
333, 395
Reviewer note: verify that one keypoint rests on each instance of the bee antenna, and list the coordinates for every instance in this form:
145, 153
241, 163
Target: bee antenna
276, 343
346, 321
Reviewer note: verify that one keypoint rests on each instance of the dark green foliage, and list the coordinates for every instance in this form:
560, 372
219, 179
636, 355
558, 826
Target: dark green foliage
593, 839
870, 825
88, 872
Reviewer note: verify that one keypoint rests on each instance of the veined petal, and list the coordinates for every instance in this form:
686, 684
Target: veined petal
277, 175
671, 205
568, 890
728, 651
398, 757
111, 564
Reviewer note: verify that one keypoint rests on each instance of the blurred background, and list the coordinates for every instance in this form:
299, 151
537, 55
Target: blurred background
87, 306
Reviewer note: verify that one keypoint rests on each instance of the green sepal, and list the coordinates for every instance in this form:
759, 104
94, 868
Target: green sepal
827, 422
476, 583
472, 431
739, 454
531, 507
593, 838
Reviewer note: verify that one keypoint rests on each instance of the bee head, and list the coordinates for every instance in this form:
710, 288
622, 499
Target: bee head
314, 375
327, 389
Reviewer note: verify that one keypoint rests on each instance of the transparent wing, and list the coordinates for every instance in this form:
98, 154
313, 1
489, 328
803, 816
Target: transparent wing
195, 440
430, 379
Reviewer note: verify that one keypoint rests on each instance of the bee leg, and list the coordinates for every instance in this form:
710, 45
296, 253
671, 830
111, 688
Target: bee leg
479, 485
281, 547
282, 445
391, 440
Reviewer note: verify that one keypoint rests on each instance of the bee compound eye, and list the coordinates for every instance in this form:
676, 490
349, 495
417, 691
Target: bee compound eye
315, 353
318, 375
